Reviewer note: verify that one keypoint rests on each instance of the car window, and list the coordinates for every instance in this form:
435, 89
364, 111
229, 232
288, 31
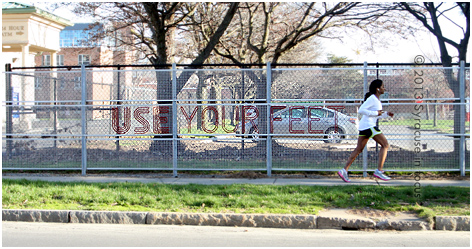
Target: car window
329, 114
321, 113
296, 113
317, 113
283, 114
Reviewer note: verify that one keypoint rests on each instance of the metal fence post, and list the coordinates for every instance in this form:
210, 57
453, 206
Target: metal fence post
118, 102
54, 98
174, 119
269, 136
84, 120
377, 123
9, 111
365, 152
462, 118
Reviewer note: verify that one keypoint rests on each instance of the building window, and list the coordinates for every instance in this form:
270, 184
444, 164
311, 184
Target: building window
80, 35
60, 59
61, 83
37, 83
46, 60
84, 59
77, 83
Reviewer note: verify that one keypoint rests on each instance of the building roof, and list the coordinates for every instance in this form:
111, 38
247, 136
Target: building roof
12, 5
20, 8
83, 26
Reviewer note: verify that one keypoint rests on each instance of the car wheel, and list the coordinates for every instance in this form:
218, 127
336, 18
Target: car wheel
334, 135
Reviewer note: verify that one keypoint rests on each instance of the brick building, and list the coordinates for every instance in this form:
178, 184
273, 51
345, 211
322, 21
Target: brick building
78, 47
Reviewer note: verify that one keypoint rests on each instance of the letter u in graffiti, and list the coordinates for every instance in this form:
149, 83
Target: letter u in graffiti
126, 120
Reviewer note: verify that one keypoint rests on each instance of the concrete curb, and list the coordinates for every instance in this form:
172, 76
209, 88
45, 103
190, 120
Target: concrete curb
453, 223
61, 216
240, 220
107, 217
449, 223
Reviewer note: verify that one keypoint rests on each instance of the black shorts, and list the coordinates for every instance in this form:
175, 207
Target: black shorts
371, 132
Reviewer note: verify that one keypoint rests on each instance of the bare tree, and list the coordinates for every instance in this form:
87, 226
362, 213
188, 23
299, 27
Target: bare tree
152, 29
431, 15
271, 32
265, 32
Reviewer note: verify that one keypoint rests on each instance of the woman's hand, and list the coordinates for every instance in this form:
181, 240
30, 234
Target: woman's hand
388, 113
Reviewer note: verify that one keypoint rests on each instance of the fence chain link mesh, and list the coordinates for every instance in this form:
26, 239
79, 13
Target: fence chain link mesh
140, 118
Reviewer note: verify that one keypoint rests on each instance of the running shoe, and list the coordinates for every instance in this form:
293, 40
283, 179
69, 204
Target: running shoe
343, 174
380, 174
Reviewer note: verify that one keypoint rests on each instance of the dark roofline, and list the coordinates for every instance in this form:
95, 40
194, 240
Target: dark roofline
19, 8
83, 26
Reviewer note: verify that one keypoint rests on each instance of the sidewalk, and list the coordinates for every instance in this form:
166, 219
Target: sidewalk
224, 181
352, 219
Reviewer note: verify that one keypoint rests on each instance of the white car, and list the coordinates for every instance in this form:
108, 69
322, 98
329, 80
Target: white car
333, 124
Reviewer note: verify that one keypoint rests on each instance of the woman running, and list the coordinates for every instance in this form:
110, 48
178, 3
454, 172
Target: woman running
371, 110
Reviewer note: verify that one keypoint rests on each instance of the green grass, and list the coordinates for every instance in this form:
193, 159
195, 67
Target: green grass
209, 126
235, 198
445, 126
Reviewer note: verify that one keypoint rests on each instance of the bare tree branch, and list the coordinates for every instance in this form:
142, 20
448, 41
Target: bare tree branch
216, 37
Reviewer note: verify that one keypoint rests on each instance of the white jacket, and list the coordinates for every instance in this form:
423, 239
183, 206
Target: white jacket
369, 110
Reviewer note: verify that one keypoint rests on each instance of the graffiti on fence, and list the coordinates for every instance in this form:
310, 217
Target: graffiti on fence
246, 119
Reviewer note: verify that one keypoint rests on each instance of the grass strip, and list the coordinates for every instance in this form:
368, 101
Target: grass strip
444, 126
235, 198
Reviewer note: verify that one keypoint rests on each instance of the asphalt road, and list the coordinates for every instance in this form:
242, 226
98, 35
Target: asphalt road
429, 139
98, 235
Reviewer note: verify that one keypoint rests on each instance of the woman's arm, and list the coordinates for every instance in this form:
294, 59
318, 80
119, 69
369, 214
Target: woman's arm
364, 109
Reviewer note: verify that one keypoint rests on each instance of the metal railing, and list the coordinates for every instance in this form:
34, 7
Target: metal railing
267, 119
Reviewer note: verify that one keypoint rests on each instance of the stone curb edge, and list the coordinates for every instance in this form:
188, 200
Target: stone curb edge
447, 223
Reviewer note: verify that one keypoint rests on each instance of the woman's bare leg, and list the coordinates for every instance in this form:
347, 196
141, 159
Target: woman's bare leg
382, 140
361, 142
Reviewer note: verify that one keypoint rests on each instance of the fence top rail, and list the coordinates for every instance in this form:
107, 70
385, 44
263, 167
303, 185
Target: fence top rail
89, 70
200, 66
184, 102
150, 136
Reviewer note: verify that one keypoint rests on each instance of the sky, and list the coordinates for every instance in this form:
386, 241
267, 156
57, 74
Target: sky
401, 50
398, 51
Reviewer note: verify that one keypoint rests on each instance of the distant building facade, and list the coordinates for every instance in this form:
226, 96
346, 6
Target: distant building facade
79, 47
26, 32
36, 38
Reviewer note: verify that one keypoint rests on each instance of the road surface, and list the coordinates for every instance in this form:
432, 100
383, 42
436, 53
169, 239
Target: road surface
58, 234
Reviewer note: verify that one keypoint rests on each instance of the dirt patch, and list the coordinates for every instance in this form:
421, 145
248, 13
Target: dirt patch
137, 153
246, 174
371, 213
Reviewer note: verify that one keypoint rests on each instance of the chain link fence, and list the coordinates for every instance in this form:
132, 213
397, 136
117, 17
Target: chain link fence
267, 119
